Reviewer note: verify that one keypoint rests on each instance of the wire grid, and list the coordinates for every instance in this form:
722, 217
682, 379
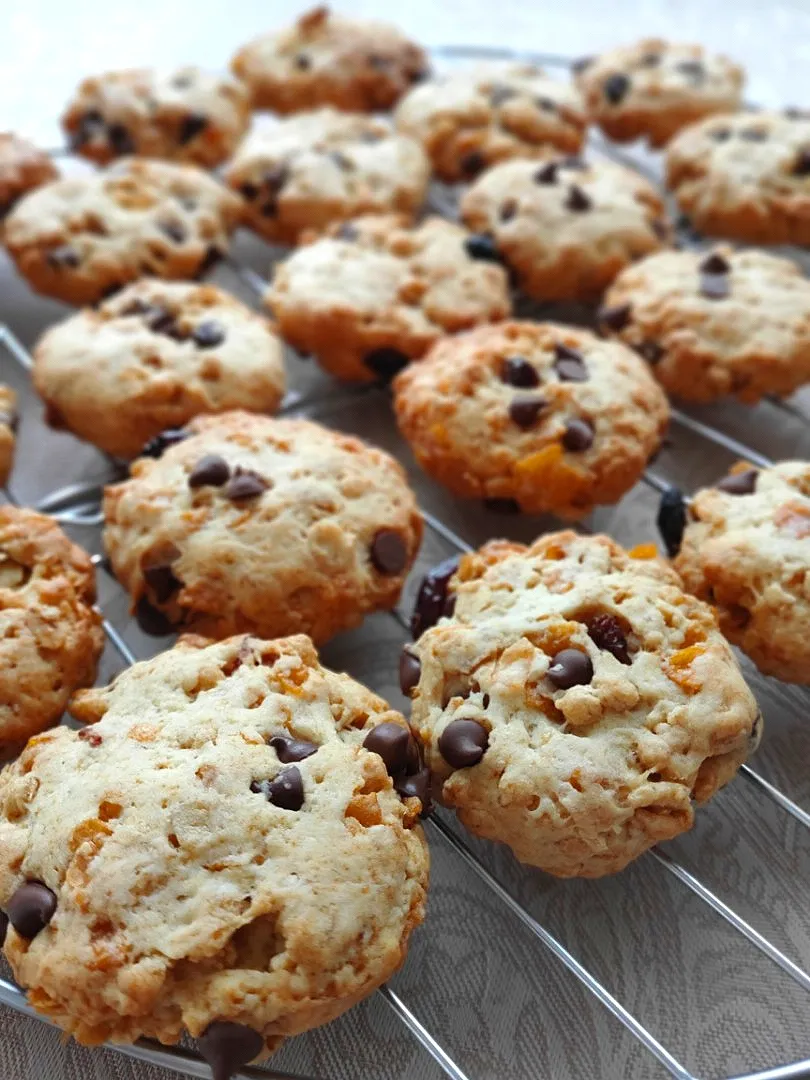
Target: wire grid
77, 505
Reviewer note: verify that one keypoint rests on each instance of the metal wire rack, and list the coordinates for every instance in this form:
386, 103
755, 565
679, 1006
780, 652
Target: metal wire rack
76, 505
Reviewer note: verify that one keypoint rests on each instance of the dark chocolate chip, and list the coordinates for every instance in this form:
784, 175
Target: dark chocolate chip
385, 362
660, 228
161, 580
650, 350
517, 371
91, 125
547, 174
693, 69
208, 334
463, 743
753, 134
615, 87
433, 596
3, 927
416, 785
31, 908
546, 104
508, 210
801, 166
64, 256
391, 742
581, 64
227, 1047
578, 436
419, 75
249, 191
481, 246
174, 230
210, 471
524, 411
499, 94
191, 127
715, 264
156, 446
472, 164
570, 667
151, 621
388, 552
212, 256
741, 483
120, 139
137, 307
502, 505
286, 790
606, 633
714, 286
720, 134
303, 62
245, 484
616, 317
577, 200
410, 669
671, 519
288, 749
569, 364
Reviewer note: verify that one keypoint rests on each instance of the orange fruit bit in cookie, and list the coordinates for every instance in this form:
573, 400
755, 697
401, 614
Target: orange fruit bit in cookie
546, 471
678, 667
643, 551
793, 518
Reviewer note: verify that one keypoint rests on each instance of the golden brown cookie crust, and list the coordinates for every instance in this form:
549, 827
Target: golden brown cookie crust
23, 167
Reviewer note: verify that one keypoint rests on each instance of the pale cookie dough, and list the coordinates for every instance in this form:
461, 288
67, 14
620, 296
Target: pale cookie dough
469, 120
532, 416
23, 168
359, 65
654, 88
81, 239
375, 294
217, 847
186, 115
320, 167
152, 357
746, 550
745, 176
50, 632
576, 703
566, 228
261, 525
715, 323
9, 419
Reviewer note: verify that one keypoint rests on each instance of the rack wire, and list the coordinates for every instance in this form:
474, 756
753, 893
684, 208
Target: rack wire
77, 504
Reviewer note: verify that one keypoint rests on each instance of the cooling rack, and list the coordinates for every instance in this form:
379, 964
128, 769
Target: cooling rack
692, 963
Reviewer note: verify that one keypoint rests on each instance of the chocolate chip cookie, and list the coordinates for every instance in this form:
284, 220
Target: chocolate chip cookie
9, 420
81, 239
654, 88
22, 169
469, 120
532, 415
152, 357
187, 115
575, 703
222, 850
261, 525
563, 227
746, 550
375, 294
50, 632
320, 167
358, 65
745, 176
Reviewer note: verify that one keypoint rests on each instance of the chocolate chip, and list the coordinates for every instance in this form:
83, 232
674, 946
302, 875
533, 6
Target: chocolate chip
288, 749
753, 134
650, 350
650, 59
410, 669
606, 633
120, 139
499, 94
174, 230
714, 286
569, 364
577, 200
245, 484
616, 317
801, 166
578, 436
693, 69
481, 246
524, 411
386, 362
91, 125
161, 580
249, 191
388, 552
208, 334
3, 927
31, 908
391, 742
227, 1047
660, 228
210, 471
472, 164
720, 134
347, 231
433, 597
286, 790
303, 62
508, 210
212, 256
715, 264
416, 785
463, 743
137, 307
547, 174
546, 104
64, 256
517, 371
741, 483
570, 667
615, 87
191, 126
157, 446
671, 520
581, 64
151, 621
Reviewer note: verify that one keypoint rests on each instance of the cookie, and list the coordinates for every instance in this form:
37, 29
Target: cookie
266, 526
187, 115
717, 323
9, 420
375, 294
320, 167
745, 176
81, 239
746, 549
566, 228
574, 703
152, 357
50, 633
220, 851
359, 65
469, 120
22, 169
654, 88
532, 416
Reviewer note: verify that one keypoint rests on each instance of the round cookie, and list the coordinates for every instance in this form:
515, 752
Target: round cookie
745, 176
359, 65
576, 702
654, 88
469, 120
216, 852
565, 228
81, 239
532, 416
261, 525
375, 294
187, 115
726, 322
9, 419
325, 166
50, 633
746, 549
22, 169
152, 357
